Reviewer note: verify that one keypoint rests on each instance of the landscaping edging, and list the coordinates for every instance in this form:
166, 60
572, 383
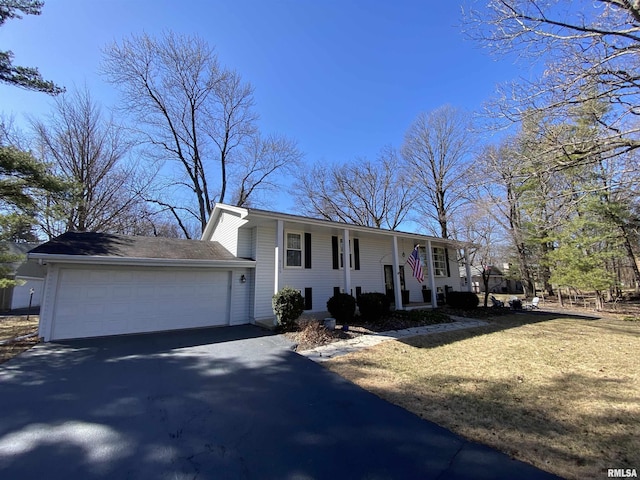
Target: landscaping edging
342, 347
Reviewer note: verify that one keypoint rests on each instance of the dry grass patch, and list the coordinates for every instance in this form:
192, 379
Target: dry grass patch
560, 393
12, 327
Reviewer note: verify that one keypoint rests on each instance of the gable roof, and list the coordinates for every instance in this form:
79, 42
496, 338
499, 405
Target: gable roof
248, 213
92, 247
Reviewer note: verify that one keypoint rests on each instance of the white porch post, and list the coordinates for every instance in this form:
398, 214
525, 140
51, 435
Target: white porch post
278, 256
346, 257
432, 277
396, 275
467, 267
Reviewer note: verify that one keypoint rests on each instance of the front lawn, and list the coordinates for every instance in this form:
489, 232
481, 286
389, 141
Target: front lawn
559, 392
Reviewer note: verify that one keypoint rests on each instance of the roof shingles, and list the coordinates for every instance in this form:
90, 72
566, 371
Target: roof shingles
124, 246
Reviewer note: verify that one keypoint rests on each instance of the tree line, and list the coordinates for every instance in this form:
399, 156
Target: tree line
545, 177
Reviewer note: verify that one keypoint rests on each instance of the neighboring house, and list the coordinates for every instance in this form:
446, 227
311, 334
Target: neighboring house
499, 281
29, 277
99, 284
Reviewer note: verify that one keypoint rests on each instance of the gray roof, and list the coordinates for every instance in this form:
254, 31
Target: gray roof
125, 246
21, 267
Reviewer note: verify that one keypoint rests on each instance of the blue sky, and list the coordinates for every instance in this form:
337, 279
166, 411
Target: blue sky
343, 78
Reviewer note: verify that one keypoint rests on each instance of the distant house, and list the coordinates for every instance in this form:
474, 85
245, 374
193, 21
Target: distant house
29, 275
102, 284
499, 281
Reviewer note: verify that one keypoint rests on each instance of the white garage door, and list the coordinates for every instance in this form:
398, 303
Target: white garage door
112, 301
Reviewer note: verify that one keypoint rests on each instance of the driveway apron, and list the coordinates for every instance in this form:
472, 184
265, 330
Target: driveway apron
226, 403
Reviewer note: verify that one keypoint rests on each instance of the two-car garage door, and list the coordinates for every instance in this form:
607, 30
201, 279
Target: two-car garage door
112, 301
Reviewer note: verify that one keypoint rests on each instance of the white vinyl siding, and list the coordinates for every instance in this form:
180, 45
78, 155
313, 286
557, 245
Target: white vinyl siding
227, 233
265, 237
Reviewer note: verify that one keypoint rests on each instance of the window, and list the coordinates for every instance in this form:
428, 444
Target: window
439, 262
342, 254
294, 250
422, 253
337, 253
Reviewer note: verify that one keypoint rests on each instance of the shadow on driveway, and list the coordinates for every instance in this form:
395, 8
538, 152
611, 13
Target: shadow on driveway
227, 403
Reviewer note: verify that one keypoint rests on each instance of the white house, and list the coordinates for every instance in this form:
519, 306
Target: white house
102, 284
29, 276
309, 254
499, 280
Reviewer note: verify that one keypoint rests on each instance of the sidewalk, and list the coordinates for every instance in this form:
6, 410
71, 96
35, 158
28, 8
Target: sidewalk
342, 347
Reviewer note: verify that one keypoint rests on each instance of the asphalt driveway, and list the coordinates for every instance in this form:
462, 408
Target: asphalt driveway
227, 403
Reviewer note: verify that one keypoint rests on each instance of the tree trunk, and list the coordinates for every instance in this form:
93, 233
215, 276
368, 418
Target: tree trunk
560, 301
632, 256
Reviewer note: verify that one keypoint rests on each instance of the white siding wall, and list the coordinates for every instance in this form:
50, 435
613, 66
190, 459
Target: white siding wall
241, 295
245, 243
321, 277
226, 231
265, 238
375, 253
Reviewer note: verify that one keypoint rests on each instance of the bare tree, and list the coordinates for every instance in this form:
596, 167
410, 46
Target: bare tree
188, 107
90, 152
260, 167
437, 146
501, 193
592, 54
374, 194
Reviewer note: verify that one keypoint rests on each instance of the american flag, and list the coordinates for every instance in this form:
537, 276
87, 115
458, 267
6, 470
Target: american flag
416, 265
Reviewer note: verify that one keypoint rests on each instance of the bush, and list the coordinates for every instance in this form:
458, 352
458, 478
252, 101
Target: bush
462, 300
288, 305
373, 306
428, 317
342, 307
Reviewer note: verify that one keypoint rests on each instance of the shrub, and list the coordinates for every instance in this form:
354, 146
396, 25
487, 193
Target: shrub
342, 307
462, 300
428, 317
373, 306
288, 305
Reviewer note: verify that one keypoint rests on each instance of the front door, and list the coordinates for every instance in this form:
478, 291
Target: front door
389, 285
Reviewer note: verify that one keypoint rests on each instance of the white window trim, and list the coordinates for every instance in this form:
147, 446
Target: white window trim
286, 249
341, 254
443, 262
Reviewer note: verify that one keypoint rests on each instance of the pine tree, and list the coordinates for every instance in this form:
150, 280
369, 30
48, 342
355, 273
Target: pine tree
25, 77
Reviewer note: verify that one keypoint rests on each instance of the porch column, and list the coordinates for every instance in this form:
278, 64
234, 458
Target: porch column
432, 277
279, 251
467, 267
346, 257
396, 275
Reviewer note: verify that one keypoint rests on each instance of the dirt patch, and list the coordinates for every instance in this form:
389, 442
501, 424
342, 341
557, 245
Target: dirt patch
14, 327
559, 392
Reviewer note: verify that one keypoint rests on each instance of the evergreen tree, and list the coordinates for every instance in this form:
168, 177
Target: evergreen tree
25, 77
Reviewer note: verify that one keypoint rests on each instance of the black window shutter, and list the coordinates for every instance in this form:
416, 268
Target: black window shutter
358, 292
356, 253
446, 257
335, 253
307, 250
336, 291
308, 299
